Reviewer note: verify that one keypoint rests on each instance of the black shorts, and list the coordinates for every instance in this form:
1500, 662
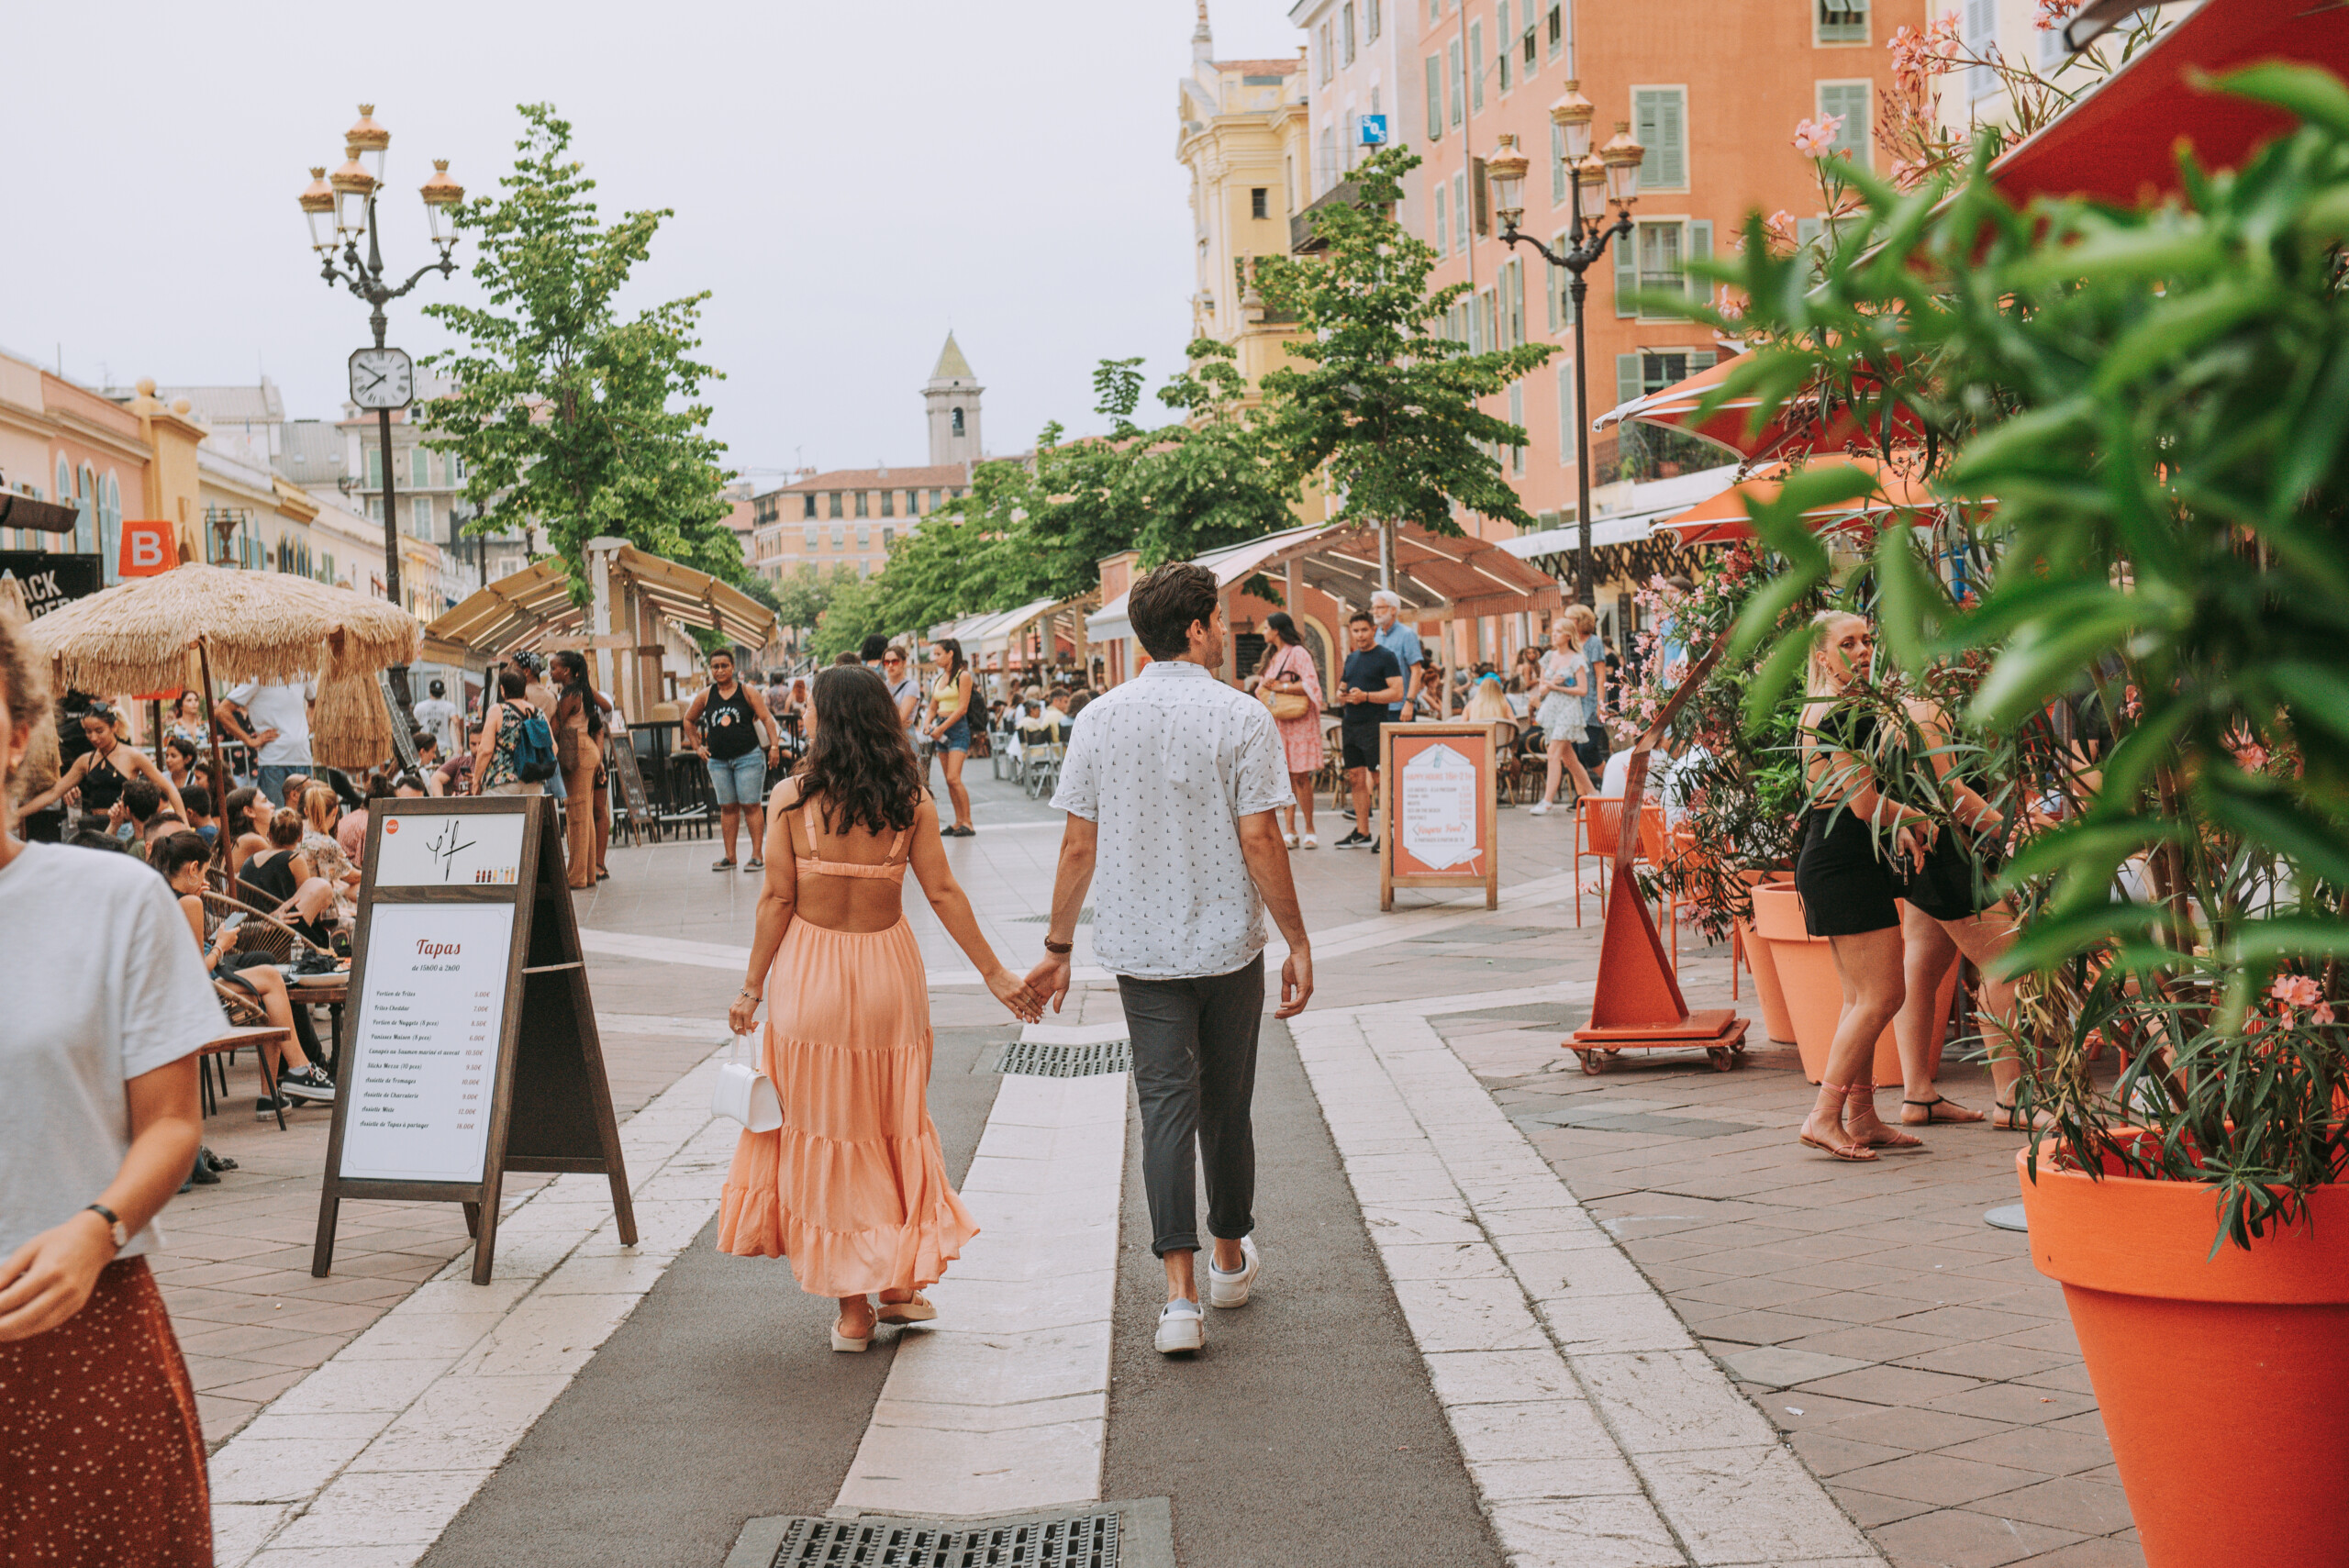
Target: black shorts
1360, 743
1847, 886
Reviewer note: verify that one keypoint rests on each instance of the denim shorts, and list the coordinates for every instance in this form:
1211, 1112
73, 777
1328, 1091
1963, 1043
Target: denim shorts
957, 737
740, 781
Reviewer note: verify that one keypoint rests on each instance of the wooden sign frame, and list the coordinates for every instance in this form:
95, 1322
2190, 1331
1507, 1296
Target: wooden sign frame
550, 1106
1398, 744
628, 782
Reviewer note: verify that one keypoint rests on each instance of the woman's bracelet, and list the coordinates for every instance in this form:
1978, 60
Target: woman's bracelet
746, 991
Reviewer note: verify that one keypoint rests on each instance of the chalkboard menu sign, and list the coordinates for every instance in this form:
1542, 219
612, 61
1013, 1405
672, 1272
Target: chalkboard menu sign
472, 1048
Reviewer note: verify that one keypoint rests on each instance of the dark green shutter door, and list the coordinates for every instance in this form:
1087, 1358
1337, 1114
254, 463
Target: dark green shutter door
1628, 382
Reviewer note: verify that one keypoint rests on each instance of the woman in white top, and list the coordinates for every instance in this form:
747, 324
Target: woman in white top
1564, 712
108, 1003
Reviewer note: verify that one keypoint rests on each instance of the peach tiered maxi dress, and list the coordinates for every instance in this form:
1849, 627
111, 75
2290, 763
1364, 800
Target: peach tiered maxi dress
853, 1188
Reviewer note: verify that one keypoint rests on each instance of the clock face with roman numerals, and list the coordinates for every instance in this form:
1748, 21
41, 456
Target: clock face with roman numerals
381, 378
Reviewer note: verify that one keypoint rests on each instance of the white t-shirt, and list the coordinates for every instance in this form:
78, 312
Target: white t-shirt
103, 984
1167, 764
439, 718
284, 707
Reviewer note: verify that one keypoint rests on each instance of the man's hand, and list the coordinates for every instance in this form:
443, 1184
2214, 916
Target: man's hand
1050, 979
51, 1276
1297, 982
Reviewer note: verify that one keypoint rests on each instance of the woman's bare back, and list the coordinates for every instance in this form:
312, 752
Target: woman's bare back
856, 900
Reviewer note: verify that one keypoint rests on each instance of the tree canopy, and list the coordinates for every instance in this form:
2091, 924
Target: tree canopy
568, 416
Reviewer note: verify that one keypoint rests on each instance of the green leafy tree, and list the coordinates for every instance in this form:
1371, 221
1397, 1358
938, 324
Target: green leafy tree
569, 416
853, 613
1385, 410
1026, 532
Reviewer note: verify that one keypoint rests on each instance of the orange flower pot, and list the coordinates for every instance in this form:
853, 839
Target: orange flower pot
1813, 994
1776, 1021
2223, 1380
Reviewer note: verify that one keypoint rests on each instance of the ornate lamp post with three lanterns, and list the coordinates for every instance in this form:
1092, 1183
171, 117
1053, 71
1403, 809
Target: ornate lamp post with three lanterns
341, 209
1614, 167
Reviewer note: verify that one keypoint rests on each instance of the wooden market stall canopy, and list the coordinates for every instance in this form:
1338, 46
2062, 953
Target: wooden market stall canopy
994, 634
534, 606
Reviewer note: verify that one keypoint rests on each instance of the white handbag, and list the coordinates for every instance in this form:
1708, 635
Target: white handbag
746, 1095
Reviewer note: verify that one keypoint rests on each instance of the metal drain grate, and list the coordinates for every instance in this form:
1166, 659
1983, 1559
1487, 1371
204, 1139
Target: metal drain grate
1088, 1541
1037, 1060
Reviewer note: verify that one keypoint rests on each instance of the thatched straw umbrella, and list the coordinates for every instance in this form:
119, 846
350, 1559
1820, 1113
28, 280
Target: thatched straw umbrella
352, 727
241, 626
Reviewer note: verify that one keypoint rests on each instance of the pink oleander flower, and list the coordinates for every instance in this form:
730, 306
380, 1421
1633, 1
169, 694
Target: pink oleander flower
2295, 990
2249, 754
1906, 175
1813, 139
1918, 58
2053, 14
1779, 227
2321, 1012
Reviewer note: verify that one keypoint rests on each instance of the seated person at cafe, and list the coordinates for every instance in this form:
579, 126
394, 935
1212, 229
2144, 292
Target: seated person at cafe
273, 881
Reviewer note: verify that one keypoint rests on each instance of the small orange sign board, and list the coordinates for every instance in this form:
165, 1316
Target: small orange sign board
1437, 825
149, 550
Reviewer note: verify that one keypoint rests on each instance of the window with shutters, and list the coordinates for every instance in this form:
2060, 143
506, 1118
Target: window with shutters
418, 476
1852, 101
1435, 98
812, 534
420, 516
888, 538
1841, 21
374, 468
861, 504
1346, 33
888, 503
1370, 21
1328, 52
839, 538
809, 510
1558, 192
836, 504
1476, 76
1660, 121
1660, 268
1981, 39
1517, 334
864, 536
1655, 259
1557, 309
1531, 44
1457, 83
1443, 223
1516, 418
1505, 42
1460, 212
1480, 196
1557, 30
1259, 201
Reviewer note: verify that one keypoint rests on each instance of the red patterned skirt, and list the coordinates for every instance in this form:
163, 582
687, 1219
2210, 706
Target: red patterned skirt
101, 1454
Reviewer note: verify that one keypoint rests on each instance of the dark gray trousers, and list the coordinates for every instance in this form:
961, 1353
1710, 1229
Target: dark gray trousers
1195, 1070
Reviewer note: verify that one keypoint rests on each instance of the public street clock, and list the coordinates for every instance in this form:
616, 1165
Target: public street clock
381, 378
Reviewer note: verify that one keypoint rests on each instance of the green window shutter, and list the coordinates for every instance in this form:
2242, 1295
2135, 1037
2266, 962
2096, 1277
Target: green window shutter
1565, 412
1456, 82
1852, 101
1557, 164
1662, 115
1553, 305
1703, 360
1628, 384
1476, 66
1500, 29
1517, 306
1842, 21
1481, 193
1700, 249
1627, 276
1435, 98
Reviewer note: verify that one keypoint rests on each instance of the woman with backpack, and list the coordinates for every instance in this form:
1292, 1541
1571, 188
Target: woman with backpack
504, 751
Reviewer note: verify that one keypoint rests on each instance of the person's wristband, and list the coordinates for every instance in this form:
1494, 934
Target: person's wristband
746, 991
1059, 950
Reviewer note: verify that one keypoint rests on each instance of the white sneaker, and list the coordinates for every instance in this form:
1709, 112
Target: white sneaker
1231, 1289
1182, 1329
1541, 808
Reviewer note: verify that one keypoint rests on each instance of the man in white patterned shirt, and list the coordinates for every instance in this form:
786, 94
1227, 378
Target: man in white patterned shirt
1171, 786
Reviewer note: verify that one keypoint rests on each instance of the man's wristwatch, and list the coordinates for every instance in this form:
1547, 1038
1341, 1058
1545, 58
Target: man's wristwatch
1059, 950
113, 1224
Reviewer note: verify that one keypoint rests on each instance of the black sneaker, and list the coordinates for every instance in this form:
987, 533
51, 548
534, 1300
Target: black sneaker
310, 1086
1357, 840
267, 1109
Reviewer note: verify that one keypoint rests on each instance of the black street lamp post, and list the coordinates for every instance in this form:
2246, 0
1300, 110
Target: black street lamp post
1616, 167
341, 212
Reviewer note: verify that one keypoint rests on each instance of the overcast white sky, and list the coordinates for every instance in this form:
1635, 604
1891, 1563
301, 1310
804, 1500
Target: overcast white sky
849, 180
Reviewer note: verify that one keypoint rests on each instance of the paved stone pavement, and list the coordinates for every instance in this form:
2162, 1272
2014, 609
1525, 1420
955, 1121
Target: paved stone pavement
1910, 1354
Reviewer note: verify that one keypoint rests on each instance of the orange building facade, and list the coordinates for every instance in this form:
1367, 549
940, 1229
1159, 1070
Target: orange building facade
1714, 92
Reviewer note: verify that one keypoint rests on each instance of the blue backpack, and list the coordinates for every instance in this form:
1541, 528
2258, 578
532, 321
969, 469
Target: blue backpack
533, 749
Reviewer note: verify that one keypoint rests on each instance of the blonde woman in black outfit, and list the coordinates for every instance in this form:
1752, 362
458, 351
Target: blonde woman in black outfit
1855, 842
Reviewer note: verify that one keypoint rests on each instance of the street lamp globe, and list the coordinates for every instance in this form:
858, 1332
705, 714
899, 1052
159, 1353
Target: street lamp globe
351, 186
372, 140
1506, 167
318, 206
441, 196
1621, 157
1572, 115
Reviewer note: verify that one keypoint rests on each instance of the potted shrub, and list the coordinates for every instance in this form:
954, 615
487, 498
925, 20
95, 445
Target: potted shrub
2159, 403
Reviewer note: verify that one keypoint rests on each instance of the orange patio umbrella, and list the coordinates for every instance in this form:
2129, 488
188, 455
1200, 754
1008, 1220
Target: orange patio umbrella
1723, 517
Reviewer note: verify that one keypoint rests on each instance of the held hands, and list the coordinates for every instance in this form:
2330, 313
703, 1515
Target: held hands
1050, 980
1016, 994
51, 1277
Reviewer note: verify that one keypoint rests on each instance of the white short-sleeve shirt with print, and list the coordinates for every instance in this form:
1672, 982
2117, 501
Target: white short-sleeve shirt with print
1166, 766
103, 984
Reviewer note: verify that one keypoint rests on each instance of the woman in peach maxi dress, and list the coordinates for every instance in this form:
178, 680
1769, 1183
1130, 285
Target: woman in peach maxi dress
853, 1188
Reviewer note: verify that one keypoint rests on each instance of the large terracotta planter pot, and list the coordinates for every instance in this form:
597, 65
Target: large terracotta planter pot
1775, 1022
1812, 995
2223, 1380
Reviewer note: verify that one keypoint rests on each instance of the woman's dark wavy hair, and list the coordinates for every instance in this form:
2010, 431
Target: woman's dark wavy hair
859, 760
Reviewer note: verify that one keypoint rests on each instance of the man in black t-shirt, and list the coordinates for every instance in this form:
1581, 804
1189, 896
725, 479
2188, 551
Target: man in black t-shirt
1373, 679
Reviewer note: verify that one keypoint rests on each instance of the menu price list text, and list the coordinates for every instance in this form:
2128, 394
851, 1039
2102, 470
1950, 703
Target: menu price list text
424, 1042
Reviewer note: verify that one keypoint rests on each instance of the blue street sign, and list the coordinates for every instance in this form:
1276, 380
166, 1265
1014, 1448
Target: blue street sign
1373, 130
